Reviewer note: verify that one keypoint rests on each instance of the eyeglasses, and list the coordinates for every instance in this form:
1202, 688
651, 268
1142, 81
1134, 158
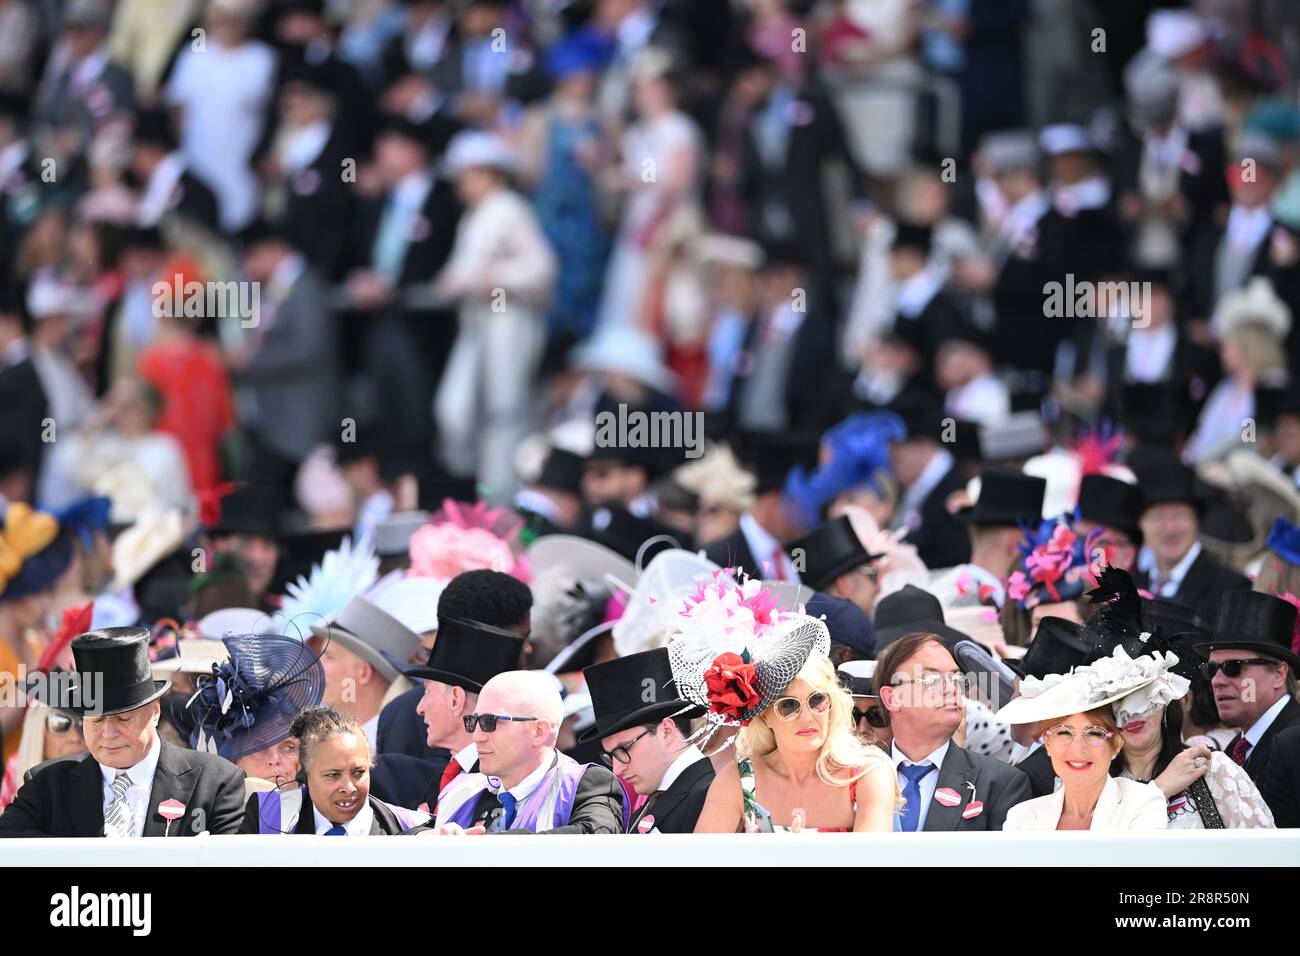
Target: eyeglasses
788, 708
57, 723
933, 682
871, 715
1063, 735
623, 752
1230, 668
869, 571
489, 721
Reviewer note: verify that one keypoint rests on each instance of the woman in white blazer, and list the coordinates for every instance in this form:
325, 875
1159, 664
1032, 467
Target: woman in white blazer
1077, 726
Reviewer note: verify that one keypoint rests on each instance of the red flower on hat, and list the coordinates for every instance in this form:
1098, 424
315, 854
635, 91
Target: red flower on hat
729, 683
210, 503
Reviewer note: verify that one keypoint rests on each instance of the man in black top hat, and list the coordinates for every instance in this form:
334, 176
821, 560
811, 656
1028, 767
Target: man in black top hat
167, 187
1172, 564
643, 729
1008, 503
1252, 670
831, 559
552, 502
920, 299
756, 546
1115, 507
928, 473
246, 526
131, 783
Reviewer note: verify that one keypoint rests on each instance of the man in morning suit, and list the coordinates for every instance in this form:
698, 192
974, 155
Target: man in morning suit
132, 783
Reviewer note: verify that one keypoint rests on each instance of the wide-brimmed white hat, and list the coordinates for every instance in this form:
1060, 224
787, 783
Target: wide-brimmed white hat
1258, 304
475, 148
412, 601
1135, 686
582, 559
718, 478
153, 537
232, 620
628, 351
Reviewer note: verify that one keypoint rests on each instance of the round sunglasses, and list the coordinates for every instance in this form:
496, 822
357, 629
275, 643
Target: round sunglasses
788, 708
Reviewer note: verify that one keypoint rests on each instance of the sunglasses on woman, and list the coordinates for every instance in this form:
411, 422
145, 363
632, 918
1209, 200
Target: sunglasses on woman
57, 723
1093, 735
788, 708
1230, 668
489, 721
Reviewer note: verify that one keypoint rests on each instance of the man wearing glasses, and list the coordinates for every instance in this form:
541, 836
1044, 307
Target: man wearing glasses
945, 787
643, 728
1252, 671
524, 783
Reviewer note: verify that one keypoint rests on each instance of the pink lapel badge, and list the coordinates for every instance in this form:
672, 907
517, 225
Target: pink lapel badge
947, 796
171, 809
645, 824
972, 810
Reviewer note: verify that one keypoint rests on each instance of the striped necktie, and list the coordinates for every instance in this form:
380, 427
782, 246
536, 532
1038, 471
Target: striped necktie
117, 822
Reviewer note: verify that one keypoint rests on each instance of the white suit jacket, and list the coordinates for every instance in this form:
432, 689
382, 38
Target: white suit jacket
1123, 805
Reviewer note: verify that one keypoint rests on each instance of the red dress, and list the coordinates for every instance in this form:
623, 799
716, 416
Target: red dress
197, 405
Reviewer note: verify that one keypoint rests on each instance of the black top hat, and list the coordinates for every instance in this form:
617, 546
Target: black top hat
912, 235
1157, 413
922, 417
829, 550
1254, 621
629, 691
246, 510
965, 444
1007, 498
395, 124
1057, 646
624, 533
1109, 501
562, 471
772, 455
468, 654
911, 610
153, 127
1170, 482
119, 657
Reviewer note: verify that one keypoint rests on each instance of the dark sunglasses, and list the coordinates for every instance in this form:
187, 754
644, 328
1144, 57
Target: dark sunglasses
872, 715
788, 708
1230, 668
57, 723
489, 721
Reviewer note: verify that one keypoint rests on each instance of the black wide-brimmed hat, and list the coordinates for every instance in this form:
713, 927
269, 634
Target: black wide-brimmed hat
1007, 498
1058, 645
1254, 621
771, 456
246, 510
468, 654
826, 552
562, 471
910, 610
113, 674
1170, 482
1111, 502
630, 691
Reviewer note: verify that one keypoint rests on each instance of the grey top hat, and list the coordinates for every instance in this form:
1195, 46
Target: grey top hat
377, 638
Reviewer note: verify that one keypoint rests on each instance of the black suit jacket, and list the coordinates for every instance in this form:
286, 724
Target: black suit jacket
430, 240
812, 358
1260, 756
1203, 585
1279, 784
678, 807
407, 781
402, 730
733, 552
23, 408
941, 540
997, 785
384, 823
1038, 768
65, 797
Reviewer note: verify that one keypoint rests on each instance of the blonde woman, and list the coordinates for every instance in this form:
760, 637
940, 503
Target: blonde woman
800, 766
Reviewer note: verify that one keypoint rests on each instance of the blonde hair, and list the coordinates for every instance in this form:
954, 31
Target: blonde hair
31, 745
844, 757
1260, 349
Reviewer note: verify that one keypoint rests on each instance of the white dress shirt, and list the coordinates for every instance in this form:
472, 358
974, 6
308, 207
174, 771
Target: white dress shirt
137, 795
675, 769
763, 546
466, 758
1149, 351
524, 788
1260, 727
357, 826
928, 784
371, 729
1174, 580
908, 512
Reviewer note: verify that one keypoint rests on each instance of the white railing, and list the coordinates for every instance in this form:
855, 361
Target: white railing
1172, 848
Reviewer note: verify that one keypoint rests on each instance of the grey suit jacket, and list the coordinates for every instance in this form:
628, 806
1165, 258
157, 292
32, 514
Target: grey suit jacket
292, 375
994, 785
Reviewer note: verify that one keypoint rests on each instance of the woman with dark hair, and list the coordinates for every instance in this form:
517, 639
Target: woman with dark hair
334, 799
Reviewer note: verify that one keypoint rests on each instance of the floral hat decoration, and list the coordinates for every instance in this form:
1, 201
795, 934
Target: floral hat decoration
1055, 564
735, 651
1284, 548
461, 537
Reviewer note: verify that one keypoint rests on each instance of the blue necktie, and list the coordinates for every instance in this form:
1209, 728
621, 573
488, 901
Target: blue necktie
910, 815
336, 830
511, 806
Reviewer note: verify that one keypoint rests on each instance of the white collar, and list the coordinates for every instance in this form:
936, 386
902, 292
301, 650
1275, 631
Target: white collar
1249, 226
90, 68
467, 757
1090, 193
533, 500
524, 788
1259, 727
635, 30
371, 729
935, 758
357, 826
760, 541
158, 192
1147, 562
916, 293
686, 758
286, 274
141, 773
412, 190
12, 157
929, 478
305, 145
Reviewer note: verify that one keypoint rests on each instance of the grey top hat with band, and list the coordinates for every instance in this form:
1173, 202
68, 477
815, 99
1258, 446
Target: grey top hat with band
630, 691
113, 674
379, 639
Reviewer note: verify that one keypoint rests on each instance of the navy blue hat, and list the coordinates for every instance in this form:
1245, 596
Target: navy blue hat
848, 624
250, 701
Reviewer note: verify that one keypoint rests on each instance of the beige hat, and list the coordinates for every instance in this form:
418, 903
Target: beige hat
720, 249
153, 537
1094, 685
717, 477
1256, 303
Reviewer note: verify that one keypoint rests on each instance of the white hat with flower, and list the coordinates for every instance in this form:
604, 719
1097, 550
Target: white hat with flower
735, 650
